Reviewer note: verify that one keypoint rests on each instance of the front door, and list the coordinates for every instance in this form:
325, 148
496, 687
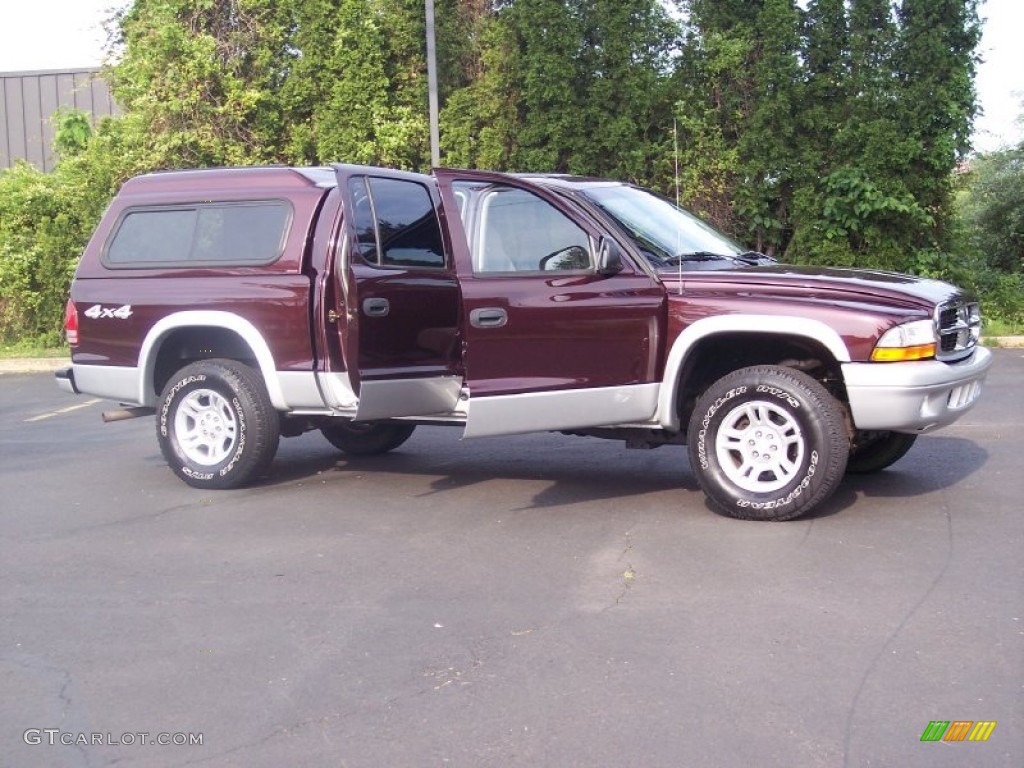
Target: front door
550, 342
396, 298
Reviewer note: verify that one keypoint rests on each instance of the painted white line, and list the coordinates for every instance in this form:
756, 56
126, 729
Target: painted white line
70, 408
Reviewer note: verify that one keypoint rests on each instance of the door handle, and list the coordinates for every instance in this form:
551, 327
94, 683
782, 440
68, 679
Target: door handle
488, 317
376, 307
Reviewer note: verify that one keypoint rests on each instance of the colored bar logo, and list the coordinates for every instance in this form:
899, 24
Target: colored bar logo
958, 730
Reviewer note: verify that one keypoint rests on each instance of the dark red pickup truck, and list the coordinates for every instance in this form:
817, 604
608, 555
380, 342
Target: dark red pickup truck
240, 305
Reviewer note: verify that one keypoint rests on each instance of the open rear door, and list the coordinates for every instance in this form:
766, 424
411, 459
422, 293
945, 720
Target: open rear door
396, 301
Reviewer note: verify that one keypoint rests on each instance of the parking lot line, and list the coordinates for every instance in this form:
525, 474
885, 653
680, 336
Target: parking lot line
60, 411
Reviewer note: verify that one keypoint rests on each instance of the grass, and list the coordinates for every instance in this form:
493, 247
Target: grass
994, 327
32, 348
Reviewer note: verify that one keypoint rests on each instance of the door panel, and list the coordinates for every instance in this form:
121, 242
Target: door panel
560, 333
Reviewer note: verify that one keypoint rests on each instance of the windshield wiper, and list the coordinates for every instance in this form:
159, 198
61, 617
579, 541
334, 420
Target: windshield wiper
755, 258
680, 258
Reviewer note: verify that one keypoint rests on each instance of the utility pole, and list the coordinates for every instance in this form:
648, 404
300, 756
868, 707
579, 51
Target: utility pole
435, 134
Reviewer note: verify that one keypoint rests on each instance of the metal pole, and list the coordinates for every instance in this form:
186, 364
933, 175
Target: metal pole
435, 134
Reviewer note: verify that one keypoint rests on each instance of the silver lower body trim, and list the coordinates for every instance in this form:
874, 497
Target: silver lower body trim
914, 396
386, 398
110, 382
65, 378
299, 390
563, 409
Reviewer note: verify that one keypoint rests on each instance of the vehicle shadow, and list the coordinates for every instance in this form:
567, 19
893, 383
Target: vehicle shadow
576, 471
573, 470
933, 464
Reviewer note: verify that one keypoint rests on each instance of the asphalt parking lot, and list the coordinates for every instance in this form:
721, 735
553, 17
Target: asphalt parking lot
530, 601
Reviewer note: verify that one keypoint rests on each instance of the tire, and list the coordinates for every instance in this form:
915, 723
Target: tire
874, 451
216, 425
758, 414
367, 438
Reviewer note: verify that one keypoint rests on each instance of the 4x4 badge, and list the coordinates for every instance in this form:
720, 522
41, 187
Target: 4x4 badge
97, 311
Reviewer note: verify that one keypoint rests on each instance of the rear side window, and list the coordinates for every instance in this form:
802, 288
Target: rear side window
205, 234
395, 223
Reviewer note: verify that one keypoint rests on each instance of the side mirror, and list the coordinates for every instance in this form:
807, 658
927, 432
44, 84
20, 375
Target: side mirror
609, 258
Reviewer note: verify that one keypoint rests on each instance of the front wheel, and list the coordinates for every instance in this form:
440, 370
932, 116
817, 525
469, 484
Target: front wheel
767, 443
216, 425
366, 438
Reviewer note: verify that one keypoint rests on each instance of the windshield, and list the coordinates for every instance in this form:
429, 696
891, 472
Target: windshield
666, 235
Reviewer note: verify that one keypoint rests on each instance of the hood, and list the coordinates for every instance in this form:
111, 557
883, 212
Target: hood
819, 283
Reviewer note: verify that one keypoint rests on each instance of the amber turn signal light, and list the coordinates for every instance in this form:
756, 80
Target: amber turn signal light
898, 354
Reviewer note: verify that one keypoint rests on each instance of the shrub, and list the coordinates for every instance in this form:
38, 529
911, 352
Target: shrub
46, 220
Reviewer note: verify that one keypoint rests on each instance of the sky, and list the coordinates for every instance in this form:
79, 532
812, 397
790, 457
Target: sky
56, 34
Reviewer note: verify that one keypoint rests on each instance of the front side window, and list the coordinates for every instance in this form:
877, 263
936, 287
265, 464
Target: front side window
395, 223
518, 231
206, 234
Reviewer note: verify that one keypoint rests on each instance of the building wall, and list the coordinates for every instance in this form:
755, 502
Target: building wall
28, 101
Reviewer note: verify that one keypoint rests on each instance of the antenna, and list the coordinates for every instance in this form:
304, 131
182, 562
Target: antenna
675, 145
679, 237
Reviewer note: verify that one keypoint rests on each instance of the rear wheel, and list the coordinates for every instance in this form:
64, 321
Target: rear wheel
767, 443
366, 438
216, 425
874, 451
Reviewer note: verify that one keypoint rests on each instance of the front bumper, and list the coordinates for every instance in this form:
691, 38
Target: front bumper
66, 380
914, 396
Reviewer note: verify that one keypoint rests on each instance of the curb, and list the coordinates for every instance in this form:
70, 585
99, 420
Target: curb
1004, 342
33, 364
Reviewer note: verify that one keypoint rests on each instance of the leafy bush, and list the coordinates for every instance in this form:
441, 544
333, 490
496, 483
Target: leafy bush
990, 204
46, 220
38, 245
1002, 296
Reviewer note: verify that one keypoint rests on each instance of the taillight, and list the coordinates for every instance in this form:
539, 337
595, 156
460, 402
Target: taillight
71, 323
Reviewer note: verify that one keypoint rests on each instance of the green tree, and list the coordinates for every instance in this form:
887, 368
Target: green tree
712, 93
822, 131
46, 220
625, 65
202, 77
741, 89
550, 124
357, 90
935, 70
825, 111
827, 134
480, 121
460, 27
580, 87
771, 144
991, 206
253, 81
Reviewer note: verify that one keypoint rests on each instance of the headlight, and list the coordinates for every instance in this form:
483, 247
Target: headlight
910, 341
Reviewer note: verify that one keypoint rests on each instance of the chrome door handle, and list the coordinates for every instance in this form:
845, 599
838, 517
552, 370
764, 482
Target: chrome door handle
376, 307
488, 317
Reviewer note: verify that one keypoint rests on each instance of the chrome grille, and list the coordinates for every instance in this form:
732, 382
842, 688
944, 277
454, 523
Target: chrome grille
958, 325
